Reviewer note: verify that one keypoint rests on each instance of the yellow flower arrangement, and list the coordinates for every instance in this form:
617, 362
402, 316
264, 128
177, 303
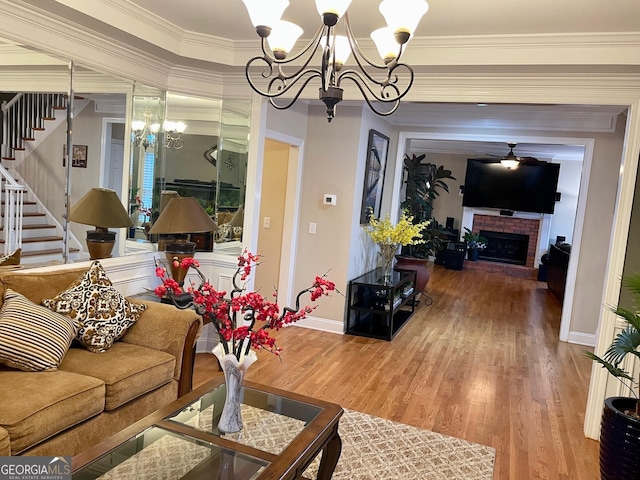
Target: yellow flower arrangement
403, 233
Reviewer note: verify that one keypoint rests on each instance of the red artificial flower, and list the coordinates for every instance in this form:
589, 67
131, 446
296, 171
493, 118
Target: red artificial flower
236, 317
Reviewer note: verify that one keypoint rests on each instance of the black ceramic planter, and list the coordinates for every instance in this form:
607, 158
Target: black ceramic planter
619, 441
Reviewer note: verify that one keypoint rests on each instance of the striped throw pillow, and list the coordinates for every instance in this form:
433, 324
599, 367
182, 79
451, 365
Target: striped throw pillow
32, 337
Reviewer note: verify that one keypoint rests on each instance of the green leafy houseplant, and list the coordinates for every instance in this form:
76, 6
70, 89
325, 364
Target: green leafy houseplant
424, 182
474, 240
625, 343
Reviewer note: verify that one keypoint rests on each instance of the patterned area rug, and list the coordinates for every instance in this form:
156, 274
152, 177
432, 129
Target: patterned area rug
374, 448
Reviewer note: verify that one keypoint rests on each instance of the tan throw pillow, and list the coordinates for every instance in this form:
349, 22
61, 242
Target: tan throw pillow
32, 337
103, 311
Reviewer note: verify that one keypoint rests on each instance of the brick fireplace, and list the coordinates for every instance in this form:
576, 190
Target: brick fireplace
535, 226
517, 228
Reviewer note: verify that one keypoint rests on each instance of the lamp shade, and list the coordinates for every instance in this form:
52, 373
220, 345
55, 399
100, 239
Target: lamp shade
264, 13
403, 15
100, 207
183, 215
238, 218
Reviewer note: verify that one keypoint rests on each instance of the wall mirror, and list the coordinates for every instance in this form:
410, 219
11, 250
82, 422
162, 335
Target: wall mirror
190, 147
206, 160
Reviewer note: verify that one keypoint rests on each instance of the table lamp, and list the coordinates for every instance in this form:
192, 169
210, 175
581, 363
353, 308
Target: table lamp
182, 216
101, 208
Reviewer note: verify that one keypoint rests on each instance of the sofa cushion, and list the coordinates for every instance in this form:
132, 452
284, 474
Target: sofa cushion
103, 311
32, 337
36, 405
127, 370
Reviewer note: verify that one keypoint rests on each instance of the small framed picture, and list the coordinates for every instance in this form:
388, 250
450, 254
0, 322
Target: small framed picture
79, 157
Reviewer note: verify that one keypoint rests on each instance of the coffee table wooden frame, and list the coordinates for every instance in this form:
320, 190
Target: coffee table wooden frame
320, 435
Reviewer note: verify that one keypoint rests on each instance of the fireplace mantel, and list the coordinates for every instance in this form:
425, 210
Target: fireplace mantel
542, 242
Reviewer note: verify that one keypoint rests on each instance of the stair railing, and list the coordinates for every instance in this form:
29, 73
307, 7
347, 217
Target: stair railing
13, 212
24, 114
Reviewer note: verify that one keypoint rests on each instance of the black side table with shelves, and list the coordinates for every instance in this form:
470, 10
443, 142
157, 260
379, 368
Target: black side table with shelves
379, 309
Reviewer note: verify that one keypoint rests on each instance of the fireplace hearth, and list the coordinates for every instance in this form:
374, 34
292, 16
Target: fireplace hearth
505, 247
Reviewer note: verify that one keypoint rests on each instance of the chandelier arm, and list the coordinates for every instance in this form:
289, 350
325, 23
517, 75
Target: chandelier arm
297, 95
280, 83
361, 87
363, 80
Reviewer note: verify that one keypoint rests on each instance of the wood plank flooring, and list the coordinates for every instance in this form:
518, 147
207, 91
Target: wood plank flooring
482, 363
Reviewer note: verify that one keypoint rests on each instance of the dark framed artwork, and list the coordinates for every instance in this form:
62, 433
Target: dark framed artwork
377, 150
79, 157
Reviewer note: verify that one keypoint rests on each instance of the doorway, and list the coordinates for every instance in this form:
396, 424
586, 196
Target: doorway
278, 226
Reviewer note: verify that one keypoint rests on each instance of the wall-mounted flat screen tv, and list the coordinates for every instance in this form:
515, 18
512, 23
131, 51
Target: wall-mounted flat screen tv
531, 187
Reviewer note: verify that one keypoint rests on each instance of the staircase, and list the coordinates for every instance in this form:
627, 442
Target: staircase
27, 119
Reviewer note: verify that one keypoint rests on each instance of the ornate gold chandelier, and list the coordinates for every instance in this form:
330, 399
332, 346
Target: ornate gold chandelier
386, 83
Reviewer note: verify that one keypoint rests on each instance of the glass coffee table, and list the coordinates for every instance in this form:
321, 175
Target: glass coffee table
283, 433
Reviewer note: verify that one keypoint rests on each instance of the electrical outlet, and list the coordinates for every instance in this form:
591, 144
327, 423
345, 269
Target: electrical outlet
266, 222
312, 228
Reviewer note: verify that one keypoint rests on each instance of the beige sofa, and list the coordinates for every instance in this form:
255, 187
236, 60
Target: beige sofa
91, 396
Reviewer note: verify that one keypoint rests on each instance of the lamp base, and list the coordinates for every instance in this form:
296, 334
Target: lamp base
176, 251
100, 244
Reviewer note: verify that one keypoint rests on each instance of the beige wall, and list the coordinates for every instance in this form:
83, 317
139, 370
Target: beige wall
330, 166
274, 189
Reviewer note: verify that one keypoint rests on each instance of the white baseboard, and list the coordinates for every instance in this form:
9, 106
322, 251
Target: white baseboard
580, 338
323, 324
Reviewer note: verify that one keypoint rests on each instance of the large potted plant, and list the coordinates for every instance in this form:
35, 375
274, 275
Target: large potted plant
620, 426
423, 184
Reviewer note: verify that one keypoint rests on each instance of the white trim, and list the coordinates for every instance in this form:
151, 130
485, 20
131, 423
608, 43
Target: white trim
289, 244
580, 338
599, 387
322, 324
574, 258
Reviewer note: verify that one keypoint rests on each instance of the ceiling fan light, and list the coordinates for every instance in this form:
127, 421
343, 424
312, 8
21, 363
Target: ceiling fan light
403, 15
264, 13
283, 37
510, 163
336, 7
385, 43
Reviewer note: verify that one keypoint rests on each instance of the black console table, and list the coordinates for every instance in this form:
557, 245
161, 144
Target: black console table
377, 309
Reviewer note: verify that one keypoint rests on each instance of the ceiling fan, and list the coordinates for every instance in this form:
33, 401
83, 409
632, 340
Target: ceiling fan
511, 160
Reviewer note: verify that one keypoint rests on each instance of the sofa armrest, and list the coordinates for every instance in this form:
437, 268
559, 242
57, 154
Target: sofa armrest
168, 329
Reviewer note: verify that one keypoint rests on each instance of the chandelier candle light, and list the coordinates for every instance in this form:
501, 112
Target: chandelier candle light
391, 237
386, 83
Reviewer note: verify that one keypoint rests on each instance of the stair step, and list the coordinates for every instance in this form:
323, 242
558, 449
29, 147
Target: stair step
49, 118
29, 214
38, 129
53, 251
50, 238
8, 158
19, 148
33, 227
28, 139
26, 202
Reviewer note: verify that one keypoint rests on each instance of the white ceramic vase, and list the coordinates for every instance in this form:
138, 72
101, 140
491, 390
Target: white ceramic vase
234, 370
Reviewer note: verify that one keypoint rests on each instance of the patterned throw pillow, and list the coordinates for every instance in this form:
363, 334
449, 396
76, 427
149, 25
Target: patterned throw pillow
104, 313
32, 337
